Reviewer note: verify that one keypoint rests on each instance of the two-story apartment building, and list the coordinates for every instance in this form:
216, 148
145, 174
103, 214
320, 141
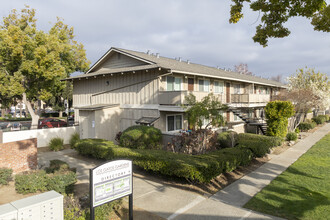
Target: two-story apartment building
126, 86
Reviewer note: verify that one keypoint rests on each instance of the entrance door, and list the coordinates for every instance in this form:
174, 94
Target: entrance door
87, 124
228, 92
190, 84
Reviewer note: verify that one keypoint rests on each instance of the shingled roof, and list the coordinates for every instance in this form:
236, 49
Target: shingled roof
156, 61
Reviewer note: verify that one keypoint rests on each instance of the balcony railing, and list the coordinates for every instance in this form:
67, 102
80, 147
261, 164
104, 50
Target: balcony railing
250, 98
178, 97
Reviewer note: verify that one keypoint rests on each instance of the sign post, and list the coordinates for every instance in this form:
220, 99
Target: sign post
111, 181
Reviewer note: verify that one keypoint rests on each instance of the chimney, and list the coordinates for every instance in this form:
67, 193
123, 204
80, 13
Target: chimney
188, 61
148, 52
157, 55
179, 59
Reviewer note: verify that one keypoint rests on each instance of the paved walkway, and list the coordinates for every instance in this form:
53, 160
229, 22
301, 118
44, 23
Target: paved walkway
172, 203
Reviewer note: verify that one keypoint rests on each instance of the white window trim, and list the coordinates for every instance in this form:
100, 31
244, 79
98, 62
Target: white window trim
220, 82
174, 81
174, 122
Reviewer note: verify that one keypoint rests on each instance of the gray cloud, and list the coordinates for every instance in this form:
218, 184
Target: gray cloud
194, 30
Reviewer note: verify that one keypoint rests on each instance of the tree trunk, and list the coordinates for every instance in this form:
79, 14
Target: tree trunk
20, 109
60, 114
3, 112
34, 116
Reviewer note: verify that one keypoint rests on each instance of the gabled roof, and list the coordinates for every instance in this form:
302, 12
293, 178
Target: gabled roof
156, 61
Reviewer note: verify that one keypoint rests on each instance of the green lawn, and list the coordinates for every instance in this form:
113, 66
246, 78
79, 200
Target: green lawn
303, 190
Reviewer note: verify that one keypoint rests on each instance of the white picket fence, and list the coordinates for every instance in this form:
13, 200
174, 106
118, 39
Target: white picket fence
43, 135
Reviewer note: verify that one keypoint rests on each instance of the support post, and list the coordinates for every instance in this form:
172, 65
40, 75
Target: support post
91, 207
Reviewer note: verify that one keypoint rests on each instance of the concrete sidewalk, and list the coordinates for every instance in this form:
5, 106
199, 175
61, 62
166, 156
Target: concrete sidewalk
172, 203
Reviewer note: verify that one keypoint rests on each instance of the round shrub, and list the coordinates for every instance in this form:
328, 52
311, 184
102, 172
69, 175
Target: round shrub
291, 136
75, 138
141, 137
227, 139
56, 144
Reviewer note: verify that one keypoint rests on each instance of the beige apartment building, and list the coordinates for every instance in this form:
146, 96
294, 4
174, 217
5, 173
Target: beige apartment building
126, 87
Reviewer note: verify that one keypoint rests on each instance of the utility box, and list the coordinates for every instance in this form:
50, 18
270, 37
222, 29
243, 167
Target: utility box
45, 206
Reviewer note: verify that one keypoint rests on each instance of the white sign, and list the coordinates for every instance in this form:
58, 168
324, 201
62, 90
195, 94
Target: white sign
111, 181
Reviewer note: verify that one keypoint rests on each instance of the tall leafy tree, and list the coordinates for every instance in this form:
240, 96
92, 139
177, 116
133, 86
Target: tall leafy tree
274, 13
33, 61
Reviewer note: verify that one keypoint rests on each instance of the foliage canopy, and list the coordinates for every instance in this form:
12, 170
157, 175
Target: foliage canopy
276, 12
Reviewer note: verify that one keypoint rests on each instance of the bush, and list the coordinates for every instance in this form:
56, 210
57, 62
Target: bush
31, 182
277, 114
291, 136
321, 119
59, 177
260, 145
305, 126
74, 139
56, 144
227, 139
73, 209
5, 175
61, 181
96, 148
141, 137
197, 168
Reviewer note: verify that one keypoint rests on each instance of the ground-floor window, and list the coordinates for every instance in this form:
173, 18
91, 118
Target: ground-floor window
174, 122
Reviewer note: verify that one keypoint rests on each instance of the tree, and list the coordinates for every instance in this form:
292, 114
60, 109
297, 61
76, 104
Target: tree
242, 68
307, 90
277, 78
276, 12
208, 108
32, 61
315, 85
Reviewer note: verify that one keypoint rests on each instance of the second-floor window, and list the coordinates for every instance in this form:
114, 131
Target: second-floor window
218, 87
237, 89
204, 85
173, 83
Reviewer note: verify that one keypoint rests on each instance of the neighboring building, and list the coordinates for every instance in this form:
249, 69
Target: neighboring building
125, 86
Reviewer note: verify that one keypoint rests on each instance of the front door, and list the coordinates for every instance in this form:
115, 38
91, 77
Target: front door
190, 84
228, 92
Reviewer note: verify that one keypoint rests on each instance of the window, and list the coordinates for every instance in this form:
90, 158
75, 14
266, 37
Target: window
174, 122
173, 83
204, 85
218, 87
237, 89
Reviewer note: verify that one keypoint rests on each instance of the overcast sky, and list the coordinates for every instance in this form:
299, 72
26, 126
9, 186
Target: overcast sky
194, 30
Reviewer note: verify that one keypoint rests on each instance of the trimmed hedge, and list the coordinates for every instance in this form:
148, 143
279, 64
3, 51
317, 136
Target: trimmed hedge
305, 126
141, 137
196, 168
320, 119
58, 177
227, 139
260, 145
5, 175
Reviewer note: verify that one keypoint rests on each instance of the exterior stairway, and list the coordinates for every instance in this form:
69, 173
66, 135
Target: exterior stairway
261, 127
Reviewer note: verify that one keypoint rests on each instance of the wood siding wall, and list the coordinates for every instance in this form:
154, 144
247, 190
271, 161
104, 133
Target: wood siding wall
118, 61
130, 88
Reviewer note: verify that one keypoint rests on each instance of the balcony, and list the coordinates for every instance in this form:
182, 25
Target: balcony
250, 98
177, 97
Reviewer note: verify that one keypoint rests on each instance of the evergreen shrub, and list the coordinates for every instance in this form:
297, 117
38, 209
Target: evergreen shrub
141, 137
291, 136
74, 139
227, 139
277, 114
5, 175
